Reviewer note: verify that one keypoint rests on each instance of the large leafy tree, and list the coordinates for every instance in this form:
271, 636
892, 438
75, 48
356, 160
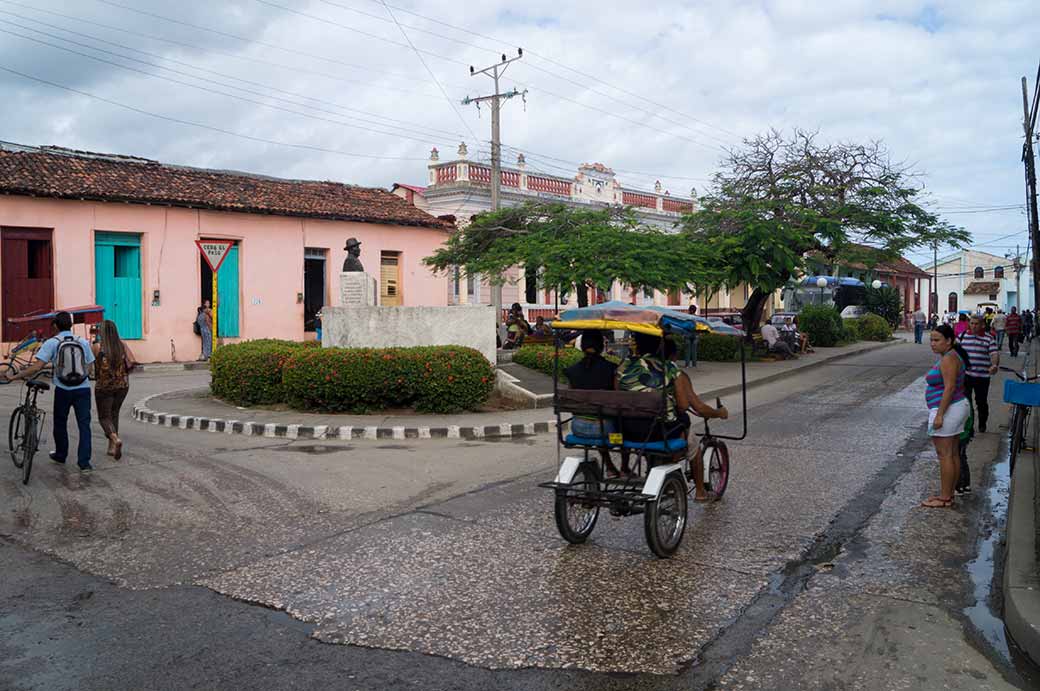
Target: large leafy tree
778, 198
572, 246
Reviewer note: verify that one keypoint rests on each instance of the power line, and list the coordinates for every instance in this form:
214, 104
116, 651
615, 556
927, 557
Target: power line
423, 129
203, 125
215, 91
433, 76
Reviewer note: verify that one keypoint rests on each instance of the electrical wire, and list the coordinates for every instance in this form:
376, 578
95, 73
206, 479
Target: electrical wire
190, 123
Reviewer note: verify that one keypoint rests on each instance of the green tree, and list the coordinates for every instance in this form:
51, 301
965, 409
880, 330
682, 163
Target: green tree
776, 199
570, 246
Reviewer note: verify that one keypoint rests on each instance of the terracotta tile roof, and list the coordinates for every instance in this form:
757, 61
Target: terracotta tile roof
79, 175
899, 265
982, 288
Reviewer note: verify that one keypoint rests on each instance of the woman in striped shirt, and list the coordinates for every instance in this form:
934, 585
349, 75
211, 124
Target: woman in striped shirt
947, 410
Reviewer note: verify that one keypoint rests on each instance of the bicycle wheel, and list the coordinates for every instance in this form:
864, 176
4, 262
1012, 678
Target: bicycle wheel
575, 519
1017, 433
28, 449
665, 519
718, 467
16, 435
6, 368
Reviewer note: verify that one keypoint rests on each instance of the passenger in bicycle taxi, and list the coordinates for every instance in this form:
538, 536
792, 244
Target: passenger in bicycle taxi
948, 409
650, 369
71, 387
596, 373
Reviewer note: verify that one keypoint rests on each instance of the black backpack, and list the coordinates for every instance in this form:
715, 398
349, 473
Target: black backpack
70, 365
196, 328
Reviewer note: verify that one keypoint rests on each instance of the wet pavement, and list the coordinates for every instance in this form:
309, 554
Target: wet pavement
816, 570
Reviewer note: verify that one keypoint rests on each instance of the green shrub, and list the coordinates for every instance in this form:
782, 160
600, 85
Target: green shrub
823, 324
872, 327
886, 303
540, 358
250, 373
435, 379
718, 348
851, 327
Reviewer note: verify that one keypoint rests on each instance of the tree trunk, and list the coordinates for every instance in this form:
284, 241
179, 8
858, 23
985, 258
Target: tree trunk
583, 294
752, 312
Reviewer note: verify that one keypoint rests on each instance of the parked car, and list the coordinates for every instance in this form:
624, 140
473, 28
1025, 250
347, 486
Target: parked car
778, 318
731, 318
853, 312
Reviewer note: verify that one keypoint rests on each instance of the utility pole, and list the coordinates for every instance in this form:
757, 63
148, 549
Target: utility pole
495, 72
1028, 124
935, 280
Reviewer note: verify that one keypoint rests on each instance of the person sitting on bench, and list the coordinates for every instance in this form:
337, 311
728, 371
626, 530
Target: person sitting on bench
776, 344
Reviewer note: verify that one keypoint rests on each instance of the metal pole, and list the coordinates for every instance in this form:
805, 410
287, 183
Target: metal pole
213, 304
935, 281
496, 181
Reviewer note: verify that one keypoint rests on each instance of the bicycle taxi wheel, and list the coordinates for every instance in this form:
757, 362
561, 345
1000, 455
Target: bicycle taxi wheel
16, 435
575, 516
665, 518
715, 457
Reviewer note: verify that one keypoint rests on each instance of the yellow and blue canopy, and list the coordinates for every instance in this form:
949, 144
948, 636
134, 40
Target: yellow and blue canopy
648, 319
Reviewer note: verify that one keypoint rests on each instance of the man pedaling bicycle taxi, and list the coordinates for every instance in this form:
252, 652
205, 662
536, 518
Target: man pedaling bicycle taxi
650, 370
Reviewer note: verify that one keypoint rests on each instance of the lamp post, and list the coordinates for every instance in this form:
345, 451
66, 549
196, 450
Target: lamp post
821, 283
876, 285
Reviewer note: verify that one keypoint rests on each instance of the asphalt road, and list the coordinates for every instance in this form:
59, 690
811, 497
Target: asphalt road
207, 560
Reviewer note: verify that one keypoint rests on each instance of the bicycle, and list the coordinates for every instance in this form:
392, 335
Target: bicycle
1023, 396
19, 357
25, 430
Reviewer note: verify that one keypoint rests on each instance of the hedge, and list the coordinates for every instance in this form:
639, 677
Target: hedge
250, 373
823, 324
873, 327
435, 379
716, 348
540, 358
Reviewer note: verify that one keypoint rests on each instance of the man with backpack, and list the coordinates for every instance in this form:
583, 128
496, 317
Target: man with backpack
71, 357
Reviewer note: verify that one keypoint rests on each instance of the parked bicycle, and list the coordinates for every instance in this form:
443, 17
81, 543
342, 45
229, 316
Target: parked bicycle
26, 428
1023, 395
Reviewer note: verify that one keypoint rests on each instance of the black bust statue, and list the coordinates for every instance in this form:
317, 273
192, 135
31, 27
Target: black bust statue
353, 261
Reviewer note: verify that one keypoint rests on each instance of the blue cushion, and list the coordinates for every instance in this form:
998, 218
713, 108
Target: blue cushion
584, 441
667, 445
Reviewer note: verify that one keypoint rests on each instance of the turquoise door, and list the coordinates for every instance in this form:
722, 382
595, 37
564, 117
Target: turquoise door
227, 296
117, 280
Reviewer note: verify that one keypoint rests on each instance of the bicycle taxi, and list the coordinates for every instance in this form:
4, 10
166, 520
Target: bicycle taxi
662, 473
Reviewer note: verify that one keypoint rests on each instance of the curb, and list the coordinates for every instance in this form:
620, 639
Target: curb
1021, 572
143, 413
172, 367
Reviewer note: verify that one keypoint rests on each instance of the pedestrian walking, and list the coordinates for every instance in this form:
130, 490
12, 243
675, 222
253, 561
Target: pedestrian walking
70, 356
1028, 325
919, 323
113, 361
691, 341
948, 410
204, 328
999, 326
1013, 327
983, 363
961, 327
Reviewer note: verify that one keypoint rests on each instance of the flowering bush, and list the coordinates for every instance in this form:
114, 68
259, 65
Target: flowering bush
435, 379
250, 373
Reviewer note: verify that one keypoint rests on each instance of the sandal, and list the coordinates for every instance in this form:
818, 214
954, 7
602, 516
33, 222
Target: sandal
937, 503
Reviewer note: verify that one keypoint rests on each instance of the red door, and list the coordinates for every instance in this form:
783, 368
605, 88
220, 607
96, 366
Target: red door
26, 264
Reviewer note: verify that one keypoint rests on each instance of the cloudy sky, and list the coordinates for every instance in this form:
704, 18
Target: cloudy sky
342, 89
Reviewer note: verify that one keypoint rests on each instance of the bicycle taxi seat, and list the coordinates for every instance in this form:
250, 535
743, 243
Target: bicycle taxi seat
38, 385
617, 407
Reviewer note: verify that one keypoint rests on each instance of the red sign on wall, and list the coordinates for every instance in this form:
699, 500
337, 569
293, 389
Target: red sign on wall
214, 251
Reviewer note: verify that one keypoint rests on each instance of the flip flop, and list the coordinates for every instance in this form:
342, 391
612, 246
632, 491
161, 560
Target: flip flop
937, 503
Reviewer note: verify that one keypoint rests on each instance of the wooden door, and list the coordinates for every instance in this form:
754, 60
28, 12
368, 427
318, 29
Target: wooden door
117, 281
227, 292
390, 279
27, 266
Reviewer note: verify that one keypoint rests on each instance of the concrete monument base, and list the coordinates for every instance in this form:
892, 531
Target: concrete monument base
472, 326
357, 289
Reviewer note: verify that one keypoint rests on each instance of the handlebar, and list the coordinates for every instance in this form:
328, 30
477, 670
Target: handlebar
1019, 374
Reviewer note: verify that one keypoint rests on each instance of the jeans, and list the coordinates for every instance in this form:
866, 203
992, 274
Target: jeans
1013, 341
1000, 338
918, 331
977, 389
79, 401
691, 350
584, 427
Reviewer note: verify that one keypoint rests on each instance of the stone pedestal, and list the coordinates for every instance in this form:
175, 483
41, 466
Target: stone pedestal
357, 289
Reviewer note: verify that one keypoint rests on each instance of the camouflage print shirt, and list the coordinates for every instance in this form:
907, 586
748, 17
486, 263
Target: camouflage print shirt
650, 373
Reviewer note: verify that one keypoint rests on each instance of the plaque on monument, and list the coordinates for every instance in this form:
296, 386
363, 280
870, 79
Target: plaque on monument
357, 289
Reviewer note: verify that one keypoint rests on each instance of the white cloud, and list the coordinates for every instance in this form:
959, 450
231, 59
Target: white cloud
937, 81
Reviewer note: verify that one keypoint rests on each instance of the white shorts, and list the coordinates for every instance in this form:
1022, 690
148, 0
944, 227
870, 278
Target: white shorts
953, 421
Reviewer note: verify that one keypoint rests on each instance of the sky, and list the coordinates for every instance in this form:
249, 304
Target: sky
360, 91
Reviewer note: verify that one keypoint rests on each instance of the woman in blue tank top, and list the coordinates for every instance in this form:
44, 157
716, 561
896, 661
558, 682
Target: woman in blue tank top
948, 409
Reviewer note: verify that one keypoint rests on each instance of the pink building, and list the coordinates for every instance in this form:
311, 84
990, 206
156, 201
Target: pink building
82, 228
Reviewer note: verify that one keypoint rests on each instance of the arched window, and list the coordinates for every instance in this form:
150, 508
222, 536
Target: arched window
952, 305
979, 273
998, 272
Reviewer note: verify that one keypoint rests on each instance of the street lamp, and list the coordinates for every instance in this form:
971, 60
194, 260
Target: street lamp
876, 284
821, 283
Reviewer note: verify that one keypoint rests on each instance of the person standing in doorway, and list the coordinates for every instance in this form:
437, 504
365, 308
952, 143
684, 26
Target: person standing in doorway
70, 356
691, 341
919, 324
1013, 327
204, 327
983, 362
112, 365
999, 325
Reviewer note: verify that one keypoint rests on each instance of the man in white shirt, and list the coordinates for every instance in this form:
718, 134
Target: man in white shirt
772, 338
919, 321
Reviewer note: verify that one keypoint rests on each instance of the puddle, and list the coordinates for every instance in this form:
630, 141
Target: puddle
981, 568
